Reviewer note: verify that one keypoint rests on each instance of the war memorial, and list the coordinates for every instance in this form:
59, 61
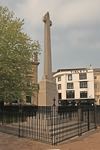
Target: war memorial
47, 85
47, 122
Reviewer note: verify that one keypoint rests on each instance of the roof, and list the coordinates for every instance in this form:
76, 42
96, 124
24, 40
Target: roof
59, 70
96, 69
72, 69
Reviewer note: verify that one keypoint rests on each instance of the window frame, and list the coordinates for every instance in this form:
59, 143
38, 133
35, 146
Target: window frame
69, 77
83, 84
59, 78
70, 94
82, 76
59, 86
83, 96
59, 95
70, 85
28, 101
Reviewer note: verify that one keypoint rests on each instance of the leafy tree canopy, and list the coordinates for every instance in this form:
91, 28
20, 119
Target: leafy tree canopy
16, 51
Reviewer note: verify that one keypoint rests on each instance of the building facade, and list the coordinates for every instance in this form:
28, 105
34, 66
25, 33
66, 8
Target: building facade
78, 83
33, 98
97, 85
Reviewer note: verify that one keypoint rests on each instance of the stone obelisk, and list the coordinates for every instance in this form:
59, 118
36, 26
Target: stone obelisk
47, 87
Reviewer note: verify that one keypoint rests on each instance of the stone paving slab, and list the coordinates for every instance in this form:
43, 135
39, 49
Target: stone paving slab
90, 141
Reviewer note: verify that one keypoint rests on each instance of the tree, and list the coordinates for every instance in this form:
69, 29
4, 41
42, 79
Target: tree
16, 53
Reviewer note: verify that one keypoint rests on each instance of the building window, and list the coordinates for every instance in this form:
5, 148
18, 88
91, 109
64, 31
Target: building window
59, 86
69, 77
59, 78
83, 94
83, 84
59, 95
82, 76
95, 77
28, 99
70, 86
70, 94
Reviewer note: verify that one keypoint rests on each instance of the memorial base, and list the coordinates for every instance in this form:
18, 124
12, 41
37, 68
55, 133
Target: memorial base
47, 93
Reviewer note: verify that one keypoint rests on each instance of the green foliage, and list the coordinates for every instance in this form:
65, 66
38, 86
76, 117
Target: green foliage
16, 51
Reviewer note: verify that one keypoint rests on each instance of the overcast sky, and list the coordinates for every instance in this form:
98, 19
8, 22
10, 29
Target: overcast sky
75, 31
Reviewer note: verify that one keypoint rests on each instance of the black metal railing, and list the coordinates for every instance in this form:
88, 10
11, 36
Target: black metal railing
51, 124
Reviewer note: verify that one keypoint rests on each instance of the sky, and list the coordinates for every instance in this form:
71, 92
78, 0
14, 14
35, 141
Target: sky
75, 31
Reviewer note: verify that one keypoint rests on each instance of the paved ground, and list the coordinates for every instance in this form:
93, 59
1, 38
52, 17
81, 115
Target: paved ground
90, 141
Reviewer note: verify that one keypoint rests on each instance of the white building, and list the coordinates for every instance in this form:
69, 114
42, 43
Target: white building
78, 83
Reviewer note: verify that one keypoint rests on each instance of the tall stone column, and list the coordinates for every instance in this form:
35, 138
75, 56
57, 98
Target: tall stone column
47, 86
47, 47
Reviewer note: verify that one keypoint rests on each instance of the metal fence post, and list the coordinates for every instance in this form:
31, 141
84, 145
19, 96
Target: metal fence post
2, 111
79, 121
95, 116
88, 119
19, 119
53, 122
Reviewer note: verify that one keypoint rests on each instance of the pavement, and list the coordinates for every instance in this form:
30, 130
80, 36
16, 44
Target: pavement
88, 141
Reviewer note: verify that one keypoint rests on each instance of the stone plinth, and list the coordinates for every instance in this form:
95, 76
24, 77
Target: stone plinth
47, 93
